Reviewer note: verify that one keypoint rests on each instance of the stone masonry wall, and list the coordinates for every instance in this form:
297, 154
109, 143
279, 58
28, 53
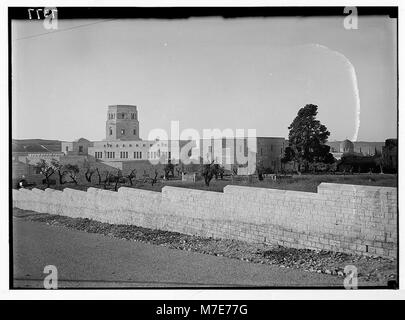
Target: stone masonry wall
344, 218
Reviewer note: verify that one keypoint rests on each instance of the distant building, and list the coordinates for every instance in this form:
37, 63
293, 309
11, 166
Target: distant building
346, 146
360, 148
244, 154
124, 149
77, 147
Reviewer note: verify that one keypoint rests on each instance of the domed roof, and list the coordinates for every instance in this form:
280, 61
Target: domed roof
346, 146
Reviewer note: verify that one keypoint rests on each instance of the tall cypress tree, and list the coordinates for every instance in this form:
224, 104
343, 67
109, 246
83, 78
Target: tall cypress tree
307, 139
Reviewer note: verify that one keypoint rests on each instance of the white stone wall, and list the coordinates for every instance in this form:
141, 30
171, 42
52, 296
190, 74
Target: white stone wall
346, 218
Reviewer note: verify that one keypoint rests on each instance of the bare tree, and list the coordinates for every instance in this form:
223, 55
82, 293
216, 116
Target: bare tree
169, 170
60, 169
99, 176
107, 179
154, 180
46, 169
145, 176
117, 179
89, 170
132, 175
88, 174
72, 171
208, 172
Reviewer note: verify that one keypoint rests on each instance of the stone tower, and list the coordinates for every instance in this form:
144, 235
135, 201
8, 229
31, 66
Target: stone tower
122, 123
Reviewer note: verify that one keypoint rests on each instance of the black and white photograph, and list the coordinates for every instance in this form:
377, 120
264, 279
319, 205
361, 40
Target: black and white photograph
203, 148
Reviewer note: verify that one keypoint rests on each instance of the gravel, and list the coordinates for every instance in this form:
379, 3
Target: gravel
369, 268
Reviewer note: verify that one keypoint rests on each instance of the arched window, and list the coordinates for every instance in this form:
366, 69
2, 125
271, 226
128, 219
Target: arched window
110, 131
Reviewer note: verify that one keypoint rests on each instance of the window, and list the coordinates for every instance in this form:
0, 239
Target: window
132, 115
170, 154
67, 148
110, 132
140, 154
134, 132
122, 131
80, 148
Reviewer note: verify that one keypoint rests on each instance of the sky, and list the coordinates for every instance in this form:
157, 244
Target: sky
206, 73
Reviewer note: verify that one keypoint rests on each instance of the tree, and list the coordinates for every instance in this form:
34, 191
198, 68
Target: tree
217, 170
154, 180
60, 169
89, 171
107, 179
131, 176
169, 169
117, 179
307, 139
99, 176
72, 170
260, 170
46, 169
208, 172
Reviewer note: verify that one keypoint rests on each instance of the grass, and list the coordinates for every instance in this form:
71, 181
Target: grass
308, 183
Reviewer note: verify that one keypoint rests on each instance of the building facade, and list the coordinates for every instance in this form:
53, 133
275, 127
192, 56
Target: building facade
361, 148
123, 147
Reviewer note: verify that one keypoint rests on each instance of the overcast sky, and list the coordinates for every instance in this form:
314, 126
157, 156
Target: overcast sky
205, 73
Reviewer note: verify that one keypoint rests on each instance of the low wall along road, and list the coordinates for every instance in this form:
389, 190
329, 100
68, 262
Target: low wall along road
339, 217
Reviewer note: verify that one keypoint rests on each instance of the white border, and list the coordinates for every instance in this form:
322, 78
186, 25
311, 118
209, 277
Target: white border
176, 294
